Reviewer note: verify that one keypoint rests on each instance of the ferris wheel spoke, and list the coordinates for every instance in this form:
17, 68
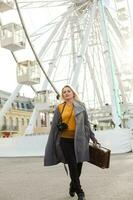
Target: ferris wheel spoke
53, 61
41, 4
84, 43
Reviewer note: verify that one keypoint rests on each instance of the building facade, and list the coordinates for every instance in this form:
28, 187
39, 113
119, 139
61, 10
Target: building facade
17, 118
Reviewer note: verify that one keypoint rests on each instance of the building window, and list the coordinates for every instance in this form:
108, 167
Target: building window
17, 104
17, 122
43, 119
10, 122
22, 105
22, 121
4, 120
27, 106
27, 121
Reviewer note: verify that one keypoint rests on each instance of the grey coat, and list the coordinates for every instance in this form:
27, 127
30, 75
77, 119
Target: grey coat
83, 133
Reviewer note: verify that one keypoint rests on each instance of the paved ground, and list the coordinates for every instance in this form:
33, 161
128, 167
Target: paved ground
27, 179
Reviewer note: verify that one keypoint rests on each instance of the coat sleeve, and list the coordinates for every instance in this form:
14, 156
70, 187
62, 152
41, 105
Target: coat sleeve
50, 157
54, 121
87, 125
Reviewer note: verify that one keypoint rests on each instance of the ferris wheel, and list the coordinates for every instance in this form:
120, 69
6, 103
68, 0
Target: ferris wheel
77, 42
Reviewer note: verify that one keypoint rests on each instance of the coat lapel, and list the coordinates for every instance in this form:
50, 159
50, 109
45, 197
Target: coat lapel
78, 107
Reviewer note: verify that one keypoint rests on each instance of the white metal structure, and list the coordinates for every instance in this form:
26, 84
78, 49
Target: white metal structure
82, 43
35, 145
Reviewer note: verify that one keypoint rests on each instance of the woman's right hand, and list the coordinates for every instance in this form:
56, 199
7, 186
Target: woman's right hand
95, 141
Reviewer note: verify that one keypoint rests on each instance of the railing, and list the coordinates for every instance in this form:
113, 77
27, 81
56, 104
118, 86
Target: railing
9, 128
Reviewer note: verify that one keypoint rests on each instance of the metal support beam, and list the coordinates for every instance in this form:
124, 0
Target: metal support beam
91, 12
110, 68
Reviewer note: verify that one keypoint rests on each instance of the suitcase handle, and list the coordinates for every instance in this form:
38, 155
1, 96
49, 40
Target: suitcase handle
97, 145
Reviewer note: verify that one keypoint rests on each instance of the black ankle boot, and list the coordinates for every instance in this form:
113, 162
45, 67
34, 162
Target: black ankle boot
71, 190
81, 196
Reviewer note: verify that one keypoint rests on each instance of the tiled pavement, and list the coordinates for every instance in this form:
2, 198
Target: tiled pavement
27, 179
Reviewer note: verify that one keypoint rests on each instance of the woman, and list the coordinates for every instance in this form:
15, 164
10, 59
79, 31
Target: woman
69, 137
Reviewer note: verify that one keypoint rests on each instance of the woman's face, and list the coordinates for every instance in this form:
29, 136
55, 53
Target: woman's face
67, 93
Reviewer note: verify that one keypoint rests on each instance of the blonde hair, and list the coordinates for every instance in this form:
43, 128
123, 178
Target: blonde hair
75, 94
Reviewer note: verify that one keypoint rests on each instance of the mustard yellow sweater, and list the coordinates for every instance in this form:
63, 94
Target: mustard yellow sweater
70, 132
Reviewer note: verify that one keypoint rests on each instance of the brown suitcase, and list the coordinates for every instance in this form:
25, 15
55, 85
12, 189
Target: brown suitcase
99, 156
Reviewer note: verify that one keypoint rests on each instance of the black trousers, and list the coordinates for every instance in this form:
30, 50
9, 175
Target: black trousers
67, 146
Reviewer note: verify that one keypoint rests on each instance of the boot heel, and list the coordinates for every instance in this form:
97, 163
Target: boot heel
71, 192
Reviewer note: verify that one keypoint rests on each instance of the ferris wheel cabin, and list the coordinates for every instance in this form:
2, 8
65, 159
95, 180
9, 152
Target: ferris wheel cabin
13, 37
28, 73
6, 5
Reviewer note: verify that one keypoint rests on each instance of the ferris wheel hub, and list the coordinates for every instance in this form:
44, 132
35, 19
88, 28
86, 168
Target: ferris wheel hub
80, 1
81, 5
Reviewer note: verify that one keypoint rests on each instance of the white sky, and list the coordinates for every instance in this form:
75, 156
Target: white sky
8, 80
